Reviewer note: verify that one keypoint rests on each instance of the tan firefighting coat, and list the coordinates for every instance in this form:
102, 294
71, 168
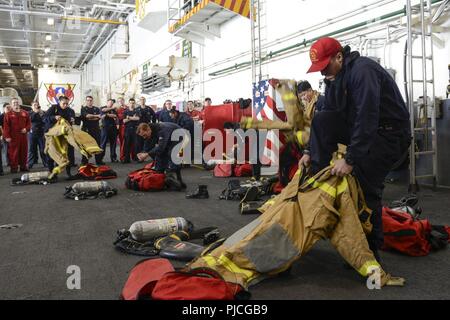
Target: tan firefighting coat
57, 141
307, 210
298, 116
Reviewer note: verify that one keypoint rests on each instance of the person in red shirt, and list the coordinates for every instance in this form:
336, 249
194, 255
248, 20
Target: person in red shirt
207, 103
16, 126
192, 112
121, 127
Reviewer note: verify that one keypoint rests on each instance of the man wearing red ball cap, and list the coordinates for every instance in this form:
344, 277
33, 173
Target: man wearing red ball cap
364, 110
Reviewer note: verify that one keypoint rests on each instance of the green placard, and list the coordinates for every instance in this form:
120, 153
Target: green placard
145, 71
187, 49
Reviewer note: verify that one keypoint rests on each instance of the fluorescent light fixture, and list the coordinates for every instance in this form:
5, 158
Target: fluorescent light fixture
50, 21
48, 37
51, 1
47, 49
46, 59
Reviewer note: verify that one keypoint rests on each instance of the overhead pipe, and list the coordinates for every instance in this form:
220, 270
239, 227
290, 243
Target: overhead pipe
60, 28
16, 10
92, 20
304, 43
60, 16
103, 30
45, 31
366, 47
27, 25
119, 4
41, 49
93, 30
110, 8
100, 47
95, 42
320, 25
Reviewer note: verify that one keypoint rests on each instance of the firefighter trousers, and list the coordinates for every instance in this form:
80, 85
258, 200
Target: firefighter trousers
36, 141
18, 151
330, 128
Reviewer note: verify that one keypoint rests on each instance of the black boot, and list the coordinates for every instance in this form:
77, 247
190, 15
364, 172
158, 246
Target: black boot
70, 177
172, 183
180, 180
252, 194
200, 193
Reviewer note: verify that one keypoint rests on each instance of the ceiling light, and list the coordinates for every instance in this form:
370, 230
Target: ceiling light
47, 49
50, 21
48, 37
46, 59
51, 1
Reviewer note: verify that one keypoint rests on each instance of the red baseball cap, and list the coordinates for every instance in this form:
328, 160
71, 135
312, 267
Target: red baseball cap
321, 53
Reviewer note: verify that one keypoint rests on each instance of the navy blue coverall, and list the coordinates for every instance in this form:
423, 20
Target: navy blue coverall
160, 146
164, 116
91, 126
365, 111
130, 140
109, 133
36, 139
1, 145
147, 116
186, 122
49, 119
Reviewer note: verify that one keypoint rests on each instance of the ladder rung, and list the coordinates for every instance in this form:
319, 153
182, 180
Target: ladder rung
421, 81
424, 153
425, 176
417, 9
421, 34
425, 129
421, 57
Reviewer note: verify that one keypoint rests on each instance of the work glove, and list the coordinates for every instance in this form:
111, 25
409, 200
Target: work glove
246, 122
396, 282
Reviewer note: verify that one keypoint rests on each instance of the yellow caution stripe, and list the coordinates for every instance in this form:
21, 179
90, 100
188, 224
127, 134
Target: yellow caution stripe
229, 265
299, 135
329, 189
289, 97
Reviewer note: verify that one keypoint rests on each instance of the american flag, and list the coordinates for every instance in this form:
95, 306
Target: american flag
267, 104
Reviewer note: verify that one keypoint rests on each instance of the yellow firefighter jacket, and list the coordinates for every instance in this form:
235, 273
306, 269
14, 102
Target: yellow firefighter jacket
298, 116
58, 138
308, 209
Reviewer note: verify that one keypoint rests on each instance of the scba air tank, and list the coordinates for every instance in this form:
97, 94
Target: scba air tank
91, 187
35, 176
151, 229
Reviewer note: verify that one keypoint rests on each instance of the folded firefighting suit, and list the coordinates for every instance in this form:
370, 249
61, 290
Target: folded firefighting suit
298, 116
307, 210
58, 138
